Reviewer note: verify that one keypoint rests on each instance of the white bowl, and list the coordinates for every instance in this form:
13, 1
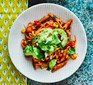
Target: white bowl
25, 66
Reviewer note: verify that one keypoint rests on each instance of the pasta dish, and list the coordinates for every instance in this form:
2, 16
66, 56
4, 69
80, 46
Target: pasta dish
47, 43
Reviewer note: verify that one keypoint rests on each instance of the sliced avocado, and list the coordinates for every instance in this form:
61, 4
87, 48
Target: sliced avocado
55, 39
63, 34
48, 39
44, 34
45, 40
52, 63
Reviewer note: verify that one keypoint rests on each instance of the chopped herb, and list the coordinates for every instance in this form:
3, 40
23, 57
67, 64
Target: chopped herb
27, 41
40, 20
48, 68
71, 51
60, 45
54, 16
34, 26
34, 38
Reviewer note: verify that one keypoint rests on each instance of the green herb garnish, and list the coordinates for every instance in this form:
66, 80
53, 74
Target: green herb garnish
71, 51
48, 69
34, 38
33, 51
54, 16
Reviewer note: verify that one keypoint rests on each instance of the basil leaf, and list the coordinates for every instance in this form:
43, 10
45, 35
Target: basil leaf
71, 51
33, 51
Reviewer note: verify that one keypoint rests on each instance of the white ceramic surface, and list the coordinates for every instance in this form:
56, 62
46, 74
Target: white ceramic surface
25, 66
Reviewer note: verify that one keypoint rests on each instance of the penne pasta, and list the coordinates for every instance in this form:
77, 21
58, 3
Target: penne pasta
60, 22
67, 24
74, 56
58, 66
44, 18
